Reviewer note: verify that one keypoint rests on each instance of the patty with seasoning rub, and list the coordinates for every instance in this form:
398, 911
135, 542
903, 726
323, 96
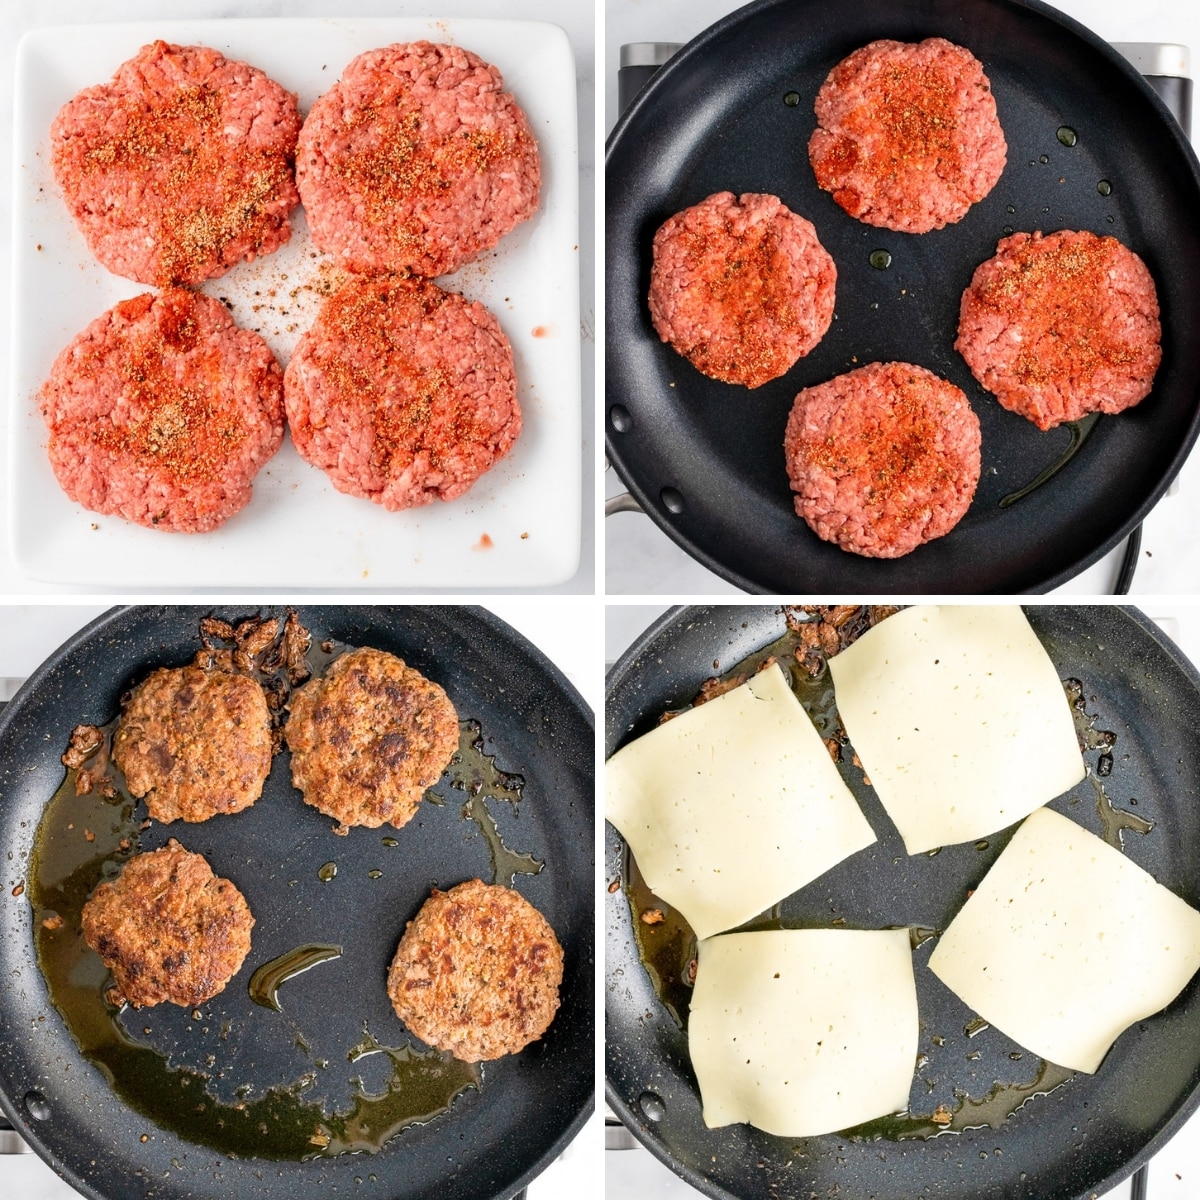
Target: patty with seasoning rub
1061, 325
168, 929
907, 135
477, 972
417, 160
883, 458
181, 166
368, 737
741, 287
402, 393
162, 411
194, 743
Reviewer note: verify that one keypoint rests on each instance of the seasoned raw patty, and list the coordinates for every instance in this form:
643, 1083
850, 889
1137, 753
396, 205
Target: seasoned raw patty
741, 287
416, 160
195, 743
883, 458
402, 393
162, 411
368, 737
181, 166
907, 135
168, 928
477, 972
1061, 325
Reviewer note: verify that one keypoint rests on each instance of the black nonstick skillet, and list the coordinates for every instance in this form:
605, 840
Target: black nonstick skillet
1073, 1144
493, 1141
733, 111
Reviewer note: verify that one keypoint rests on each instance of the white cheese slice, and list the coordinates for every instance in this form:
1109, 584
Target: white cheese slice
804, 1031
959, 719
1067, 942
733, 805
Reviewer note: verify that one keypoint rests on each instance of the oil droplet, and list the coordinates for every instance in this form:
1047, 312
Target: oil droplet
652, 1105
37, 1106
1067, 135
791, 99
1011, 208
918, 935
1104, 187
390, 841
270, 977
934, 852
377, 874
1109, 219
981, 845
976, 1027
1045, 158
327, 872
880, 260
1007, 230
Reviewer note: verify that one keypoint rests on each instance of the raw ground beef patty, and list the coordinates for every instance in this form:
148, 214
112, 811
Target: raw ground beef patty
416, 160
162, 411
907, 134
181, 166
168, 929
402, 393
1062, 325
883, 458
477, 972
741, 287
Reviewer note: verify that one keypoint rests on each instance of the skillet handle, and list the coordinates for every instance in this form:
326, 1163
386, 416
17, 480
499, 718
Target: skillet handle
621, 503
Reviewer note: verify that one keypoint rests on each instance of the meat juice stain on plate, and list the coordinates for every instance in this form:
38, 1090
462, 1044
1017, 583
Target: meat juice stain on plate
85, 838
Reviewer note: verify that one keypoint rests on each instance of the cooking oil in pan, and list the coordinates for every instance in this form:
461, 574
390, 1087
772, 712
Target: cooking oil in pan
271, 976
474, 771
83, 840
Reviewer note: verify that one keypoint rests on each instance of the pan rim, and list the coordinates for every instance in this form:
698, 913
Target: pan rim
650, 504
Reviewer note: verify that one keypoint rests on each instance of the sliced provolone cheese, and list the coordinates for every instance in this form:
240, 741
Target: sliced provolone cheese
733, 805
804, 1031
1067, 942
959, 719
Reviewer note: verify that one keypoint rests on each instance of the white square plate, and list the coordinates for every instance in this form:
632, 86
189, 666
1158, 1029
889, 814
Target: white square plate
518, 526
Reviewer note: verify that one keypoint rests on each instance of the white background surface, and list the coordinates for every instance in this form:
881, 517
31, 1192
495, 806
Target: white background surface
637, 1175
565, 630
575, 16
641, 560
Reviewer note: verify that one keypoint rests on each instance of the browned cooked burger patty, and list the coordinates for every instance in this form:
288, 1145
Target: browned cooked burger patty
907, 134
883, 458
195, 743
181, 166
1061, 325
168, 928
416, 160
368, 737
741, 287
162, 411
402, 393
477, 972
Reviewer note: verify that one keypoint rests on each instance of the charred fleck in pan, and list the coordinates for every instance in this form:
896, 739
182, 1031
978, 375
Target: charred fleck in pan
733, 111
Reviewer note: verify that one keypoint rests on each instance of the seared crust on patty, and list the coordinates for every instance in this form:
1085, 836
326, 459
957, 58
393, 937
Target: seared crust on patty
1061, 325
416, 160
368, 737
907, 134
168, 928
883, 458
477, 972
741, 287
180, 166
162, 411
195, 743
